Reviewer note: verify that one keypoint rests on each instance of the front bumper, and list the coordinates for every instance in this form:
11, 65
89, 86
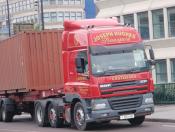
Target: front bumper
110, 114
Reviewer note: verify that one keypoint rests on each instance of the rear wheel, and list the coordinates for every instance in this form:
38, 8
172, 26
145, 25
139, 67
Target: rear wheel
53, 117
6, 115
40, 117
79, 117
137, 121
0, 113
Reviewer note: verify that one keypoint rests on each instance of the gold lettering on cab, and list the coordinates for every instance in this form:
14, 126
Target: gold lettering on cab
123, 77
111, 37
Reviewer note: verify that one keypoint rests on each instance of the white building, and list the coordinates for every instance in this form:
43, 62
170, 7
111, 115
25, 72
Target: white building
155, 20
55, 11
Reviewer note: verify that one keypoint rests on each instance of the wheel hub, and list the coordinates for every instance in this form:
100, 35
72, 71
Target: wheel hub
80, 117
52, 115
39, 114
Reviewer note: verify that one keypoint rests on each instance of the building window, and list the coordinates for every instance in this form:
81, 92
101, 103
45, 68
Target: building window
46, 17
171, 21
60, 2
60, 16
173, 70
129, 19
79, 15
161, 71
67, 15
77, 2
52, 2
45, 2
72, 2
66, 2
158, 24
143, 24
53, 16
73, 15
28, 4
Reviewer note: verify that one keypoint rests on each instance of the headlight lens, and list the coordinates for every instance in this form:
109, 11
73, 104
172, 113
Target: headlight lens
149, 100
100, 104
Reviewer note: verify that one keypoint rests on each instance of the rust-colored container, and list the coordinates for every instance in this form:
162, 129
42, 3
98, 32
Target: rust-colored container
31, 61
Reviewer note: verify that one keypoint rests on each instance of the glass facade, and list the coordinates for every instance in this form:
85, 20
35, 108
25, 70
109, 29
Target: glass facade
24, 5
158, 24
143, 25
53, 16
171, 21
129, 19
172, 70
161, 71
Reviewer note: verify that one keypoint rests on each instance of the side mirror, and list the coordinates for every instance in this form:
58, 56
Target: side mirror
151, 52
80, 65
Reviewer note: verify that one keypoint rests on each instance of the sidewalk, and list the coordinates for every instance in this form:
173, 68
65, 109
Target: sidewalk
163, 113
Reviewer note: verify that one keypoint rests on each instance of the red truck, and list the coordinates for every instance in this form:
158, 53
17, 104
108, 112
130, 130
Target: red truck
92, 71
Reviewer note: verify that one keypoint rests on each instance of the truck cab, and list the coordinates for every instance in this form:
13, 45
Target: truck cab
108, 70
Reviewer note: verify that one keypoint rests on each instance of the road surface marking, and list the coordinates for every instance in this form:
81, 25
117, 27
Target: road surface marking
169, 126
8, 130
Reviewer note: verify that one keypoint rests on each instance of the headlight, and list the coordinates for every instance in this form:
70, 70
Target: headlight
100, 104
149, 100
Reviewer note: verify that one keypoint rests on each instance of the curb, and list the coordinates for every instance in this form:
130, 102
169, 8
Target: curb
160, 120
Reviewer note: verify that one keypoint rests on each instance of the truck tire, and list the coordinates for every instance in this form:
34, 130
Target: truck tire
79, 117
53, 117
40, 117
137, 121
6, 115
0, 113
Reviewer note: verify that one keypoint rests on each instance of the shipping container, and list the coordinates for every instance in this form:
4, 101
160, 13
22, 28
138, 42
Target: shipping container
31, 61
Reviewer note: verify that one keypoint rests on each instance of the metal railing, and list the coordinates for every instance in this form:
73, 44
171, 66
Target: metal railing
164, 93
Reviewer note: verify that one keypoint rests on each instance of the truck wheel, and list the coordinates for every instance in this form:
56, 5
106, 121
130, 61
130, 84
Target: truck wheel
53, 117
40, 115
137, 121
0, 113
6, 115
79, 117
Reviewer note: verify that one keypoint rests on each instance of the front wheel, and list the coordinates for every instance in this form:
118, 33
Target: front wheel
137, 121
79, 117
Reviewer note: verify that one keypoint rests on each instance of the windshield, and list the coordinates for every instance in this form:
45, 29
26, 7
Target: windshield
118, 59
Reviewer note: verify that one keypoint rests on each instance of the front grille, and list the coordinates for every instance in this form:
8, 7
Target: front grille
127, 102
127, 87
123, 84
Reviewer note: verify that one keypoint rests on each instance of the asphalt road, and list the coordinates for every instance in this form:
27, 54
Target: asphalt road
24, 124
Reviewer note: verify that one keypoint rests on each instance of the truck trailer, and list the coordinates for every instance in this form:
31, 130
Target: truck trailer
93, 70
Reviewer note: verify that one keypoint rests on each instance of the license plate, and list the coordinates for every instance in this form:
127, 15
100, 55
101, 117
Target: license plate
124, 117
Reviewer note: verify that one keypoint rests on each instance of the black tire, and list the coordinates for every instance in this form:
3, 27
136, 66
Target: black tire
40, 116
0, 113
6, 115
137, 121
79, 124
53, 117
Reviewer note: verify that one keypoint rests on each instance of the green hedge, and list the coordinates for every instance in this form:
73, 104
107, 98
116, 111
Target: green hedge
164, 93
